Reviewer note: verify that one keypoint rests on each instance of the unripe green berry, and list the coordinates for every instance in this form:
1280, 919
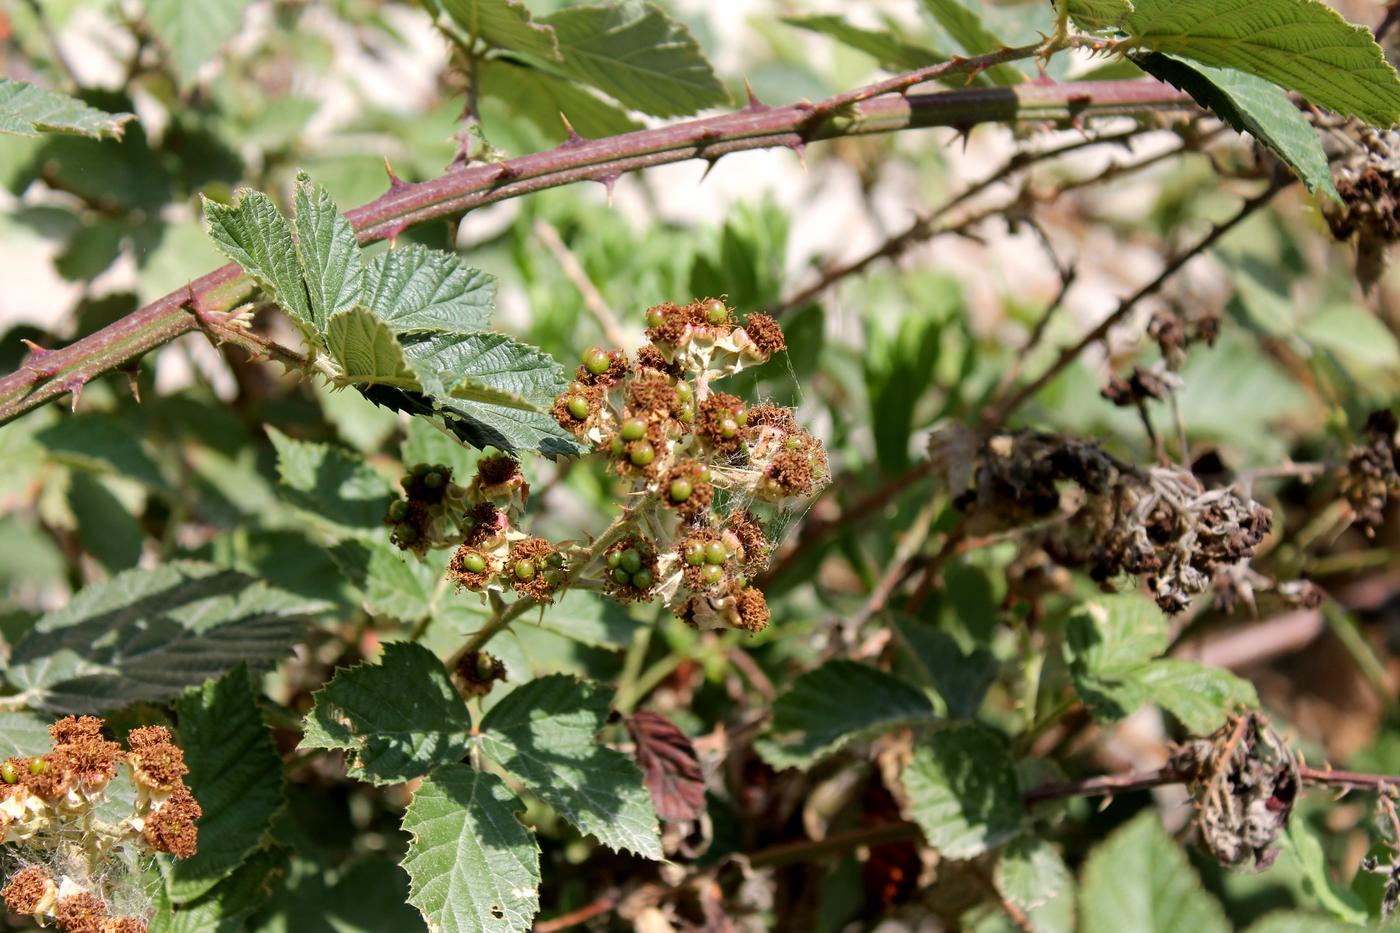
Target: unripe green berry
794, 443
695, 554
616, 447
631, 560
578, 406
596, 361
398, 510
407, 533
728, 428
655, 317
642, 454
524, 570
9, 773
686, 414
741, 581
554, 561
711, 574
633, 429
485, 666
553, 577
741, 417
38, 766
716, 312
684, 392
614, 559
621, 577
680, 490
643, 579
474, 563
716, 553
434, 479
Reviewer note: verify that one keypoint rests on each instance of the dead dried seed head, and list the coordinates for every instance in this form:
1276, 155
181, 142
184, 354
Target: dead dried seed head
1371, 476
483, 525
721, 421
754, 549
459, 568
649, 357
776, 416
1140, 386
80, 913
124, 925
498, 470
753, 611
49, 776
173, 827
790, 474
75, 730
765, 333
94, 762
477, 672
30, 891
652, 397
146, 736
1243, 779
158, 765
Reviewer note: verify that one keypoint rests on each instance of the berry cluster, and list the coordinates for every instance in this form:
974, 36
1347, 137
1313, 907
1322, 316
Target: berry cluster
48, 812
679, 447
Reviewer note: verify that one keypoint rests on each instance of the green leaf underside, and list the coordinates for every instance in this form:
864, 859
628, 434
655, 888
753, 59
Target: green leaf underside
638, 55
334, 485
24, 733
506, 24
963, 791
541, 97
328, 251
415, 289
254, 234
1098, 14
150, 634
1111, 646
367, 351
1139, 879
193, 31
27, 110
472, 867
1251, 105
966, 29
1030, 873
400, 718
1303, 45
235, 773
837, 705
545, 733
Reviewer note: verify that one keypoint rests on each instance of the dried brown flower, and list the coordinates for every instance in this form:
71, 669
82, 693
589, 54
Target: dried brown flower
173, 826
30, 891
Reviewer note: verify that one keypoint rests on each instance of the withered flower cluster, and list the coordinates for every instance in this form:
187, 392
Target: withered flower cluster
1085, 509
1243, 780
1367, 176
678, 445
48, 812
1370, 475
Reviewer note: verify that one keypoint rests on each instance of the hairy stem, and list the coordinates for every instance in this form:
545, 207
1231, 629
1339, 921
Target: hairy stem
47, 376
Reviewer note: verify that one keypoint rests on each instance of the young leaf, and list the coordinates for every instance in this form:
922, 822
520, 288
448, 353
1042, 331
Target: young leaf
334, 485
1200, 696
669, 766
193, 31
150, 634
961, 679
254, 234
1303, 45
1251, 105
26, 110
638, 55
1094, 15
966, 29
328, 251
415, 289
1031, 874
367, 351
472, 867
1139, 879
963, 791
236, 776
545, 733
1115, 632
836, 705
506, 24
400, 718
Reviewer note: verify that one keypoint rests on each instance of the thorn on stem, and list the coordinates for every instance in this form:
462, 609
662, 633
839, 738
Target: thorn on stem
574, 138
607, 181
133, 381
75, 386
36, 353
395, 182
754, 103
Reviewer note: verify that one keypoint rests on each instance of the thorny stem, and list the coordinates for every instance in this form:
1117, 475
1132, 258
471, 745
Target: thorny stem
55, 373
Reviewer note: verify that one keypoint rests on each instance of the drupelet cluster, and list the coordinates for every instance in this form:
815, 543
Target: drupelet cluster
49, 815
692, 461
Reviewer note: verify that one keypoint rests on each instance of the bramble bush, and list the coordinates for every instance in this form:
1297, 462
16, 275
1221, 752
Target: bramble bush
490, 556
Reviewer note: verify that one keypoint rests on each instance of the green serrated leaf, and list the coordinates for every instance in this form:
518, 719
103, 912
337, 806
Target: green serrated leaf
966, 29
235, 774
1251, 105
1302, 843
1296, 921
472, 867
1139, 879
227, 907
150, 634
541, 97
254, 234
101, 442
26, 110
24, 733
545, 733
193, 31
328, 251
1303, 45
635, 53
1094, 15
414, 289
836, 705
394, 583
400, 718
892, 51
1200, 697
962, 680
334, 485
506, 24
1115, 632
367, 351
1355, 334
106, 529
963, 790
1030, 873
367, 896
